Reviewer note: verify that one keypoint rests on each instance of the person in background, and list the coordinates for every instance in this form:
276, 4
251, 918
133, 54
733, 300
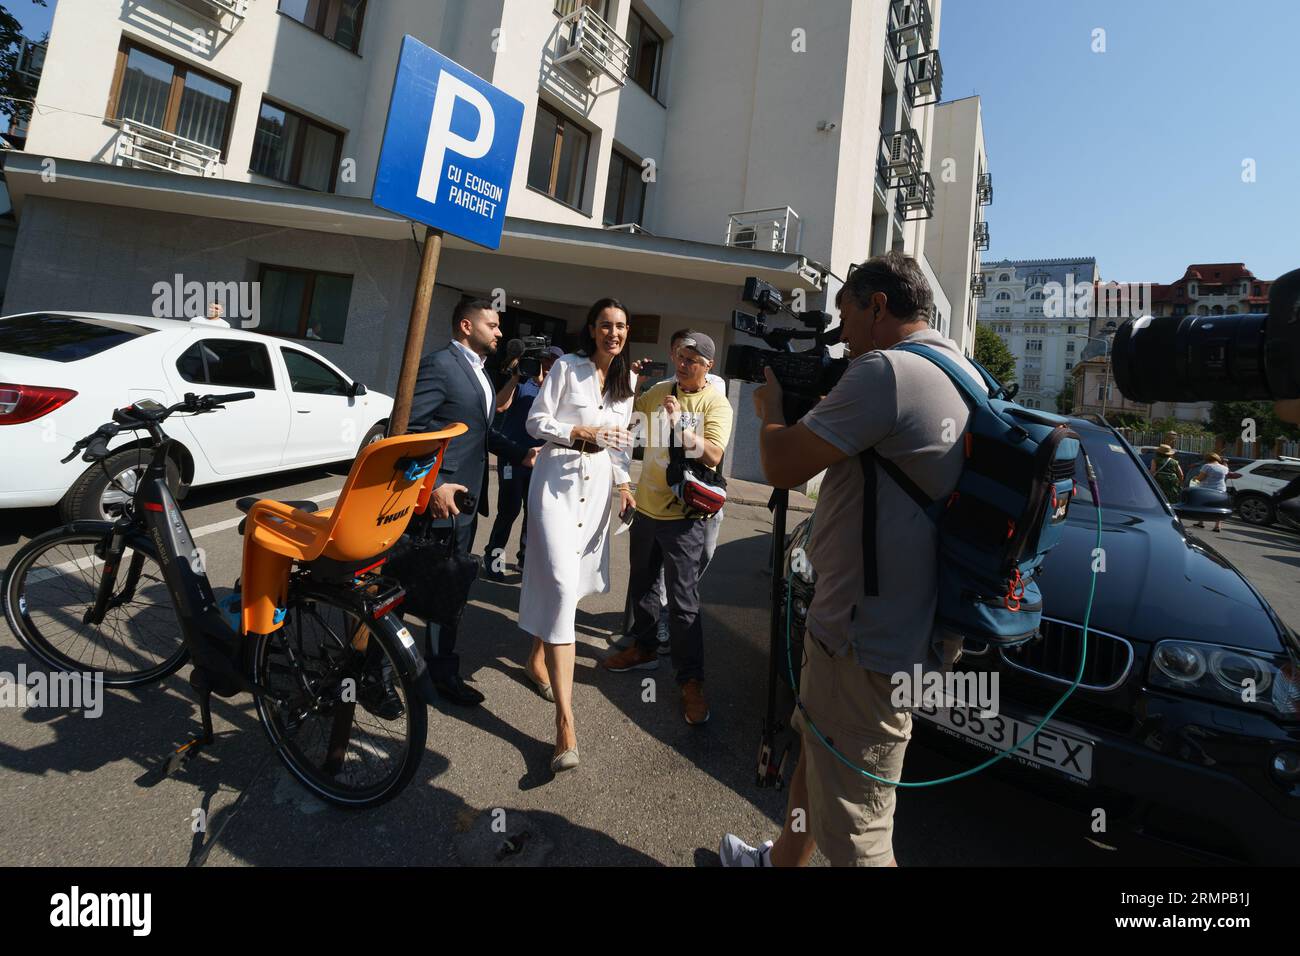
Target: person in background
582, 412
453, 386
1168, 473
215, 311
515, 464
664, 536
712, 528
1213, 477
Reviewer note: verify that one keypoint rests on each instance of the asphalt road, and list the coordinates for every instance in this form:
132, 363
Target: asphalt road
651, 789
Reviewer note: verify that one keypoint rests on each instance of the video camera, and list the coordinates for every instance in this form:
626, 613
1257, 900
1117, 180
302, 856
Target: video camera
1198, 358
529, 350
804, 376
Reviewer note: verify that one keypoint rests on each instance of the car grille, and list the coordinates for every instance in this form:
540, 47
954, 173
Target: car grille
1055, 656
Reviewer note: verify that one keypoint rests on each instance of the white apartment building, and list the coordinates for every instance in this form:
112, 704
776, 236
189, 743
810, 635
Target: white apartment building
959, 232
669, 150
1038, 308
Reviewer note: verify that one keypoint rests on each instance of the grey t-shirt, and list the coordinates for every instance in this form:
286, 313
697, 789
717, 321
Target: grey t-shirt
905, 407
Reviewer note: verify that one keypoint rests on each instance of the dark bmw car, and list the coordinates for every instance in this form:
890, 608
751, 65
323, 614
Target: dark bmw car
1186, 726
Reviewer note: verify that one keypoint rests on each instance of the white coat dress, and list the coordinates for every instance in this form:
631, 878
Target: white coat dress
569, 500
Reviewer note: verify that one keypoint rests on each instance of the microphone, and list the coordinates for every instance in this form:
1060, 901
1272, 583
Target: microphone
514, 349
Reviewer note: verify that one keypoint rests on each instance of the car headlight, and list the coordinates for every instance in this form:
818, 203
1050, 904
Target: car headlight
1229, 675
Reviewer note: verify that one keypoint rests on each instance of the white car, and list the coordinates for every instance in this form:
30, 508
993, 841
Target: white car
1253, 485
63, 373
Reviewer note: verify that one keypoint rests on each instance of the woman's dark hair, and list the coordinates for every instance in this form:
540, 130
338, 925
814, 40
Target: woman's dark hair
618, 378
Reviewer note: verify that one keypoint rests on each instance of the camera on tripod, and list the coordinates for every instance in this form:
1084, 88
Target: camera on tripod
529, 350
1196, 358
804, 376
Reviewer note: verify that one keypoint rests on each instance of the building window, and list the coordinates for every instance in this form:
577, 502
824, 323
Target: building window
1004, 296
300, 304
337, 20
647, 53
1034, 345
557, 165
624, 193
1069, 365
1070, 329
296, 150
1036, 295
1069, 346
1004, 277
156, 91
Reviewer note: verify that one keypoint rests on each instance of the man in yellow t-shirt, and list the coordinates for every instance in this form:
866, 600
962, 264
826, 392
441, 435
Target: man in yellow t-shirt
698, 417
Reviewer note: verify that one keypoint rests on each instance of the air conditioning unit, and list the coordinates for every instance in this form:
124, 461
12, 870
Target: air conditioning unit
908, 19
767, 236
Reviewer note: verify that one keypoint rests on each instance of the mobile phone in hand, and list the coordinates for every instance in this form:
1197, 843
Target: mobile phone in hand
465, 502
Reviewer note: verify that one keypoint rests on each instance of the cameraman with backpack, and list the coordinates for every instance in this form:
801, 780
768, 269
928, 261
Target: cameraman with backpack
873, 613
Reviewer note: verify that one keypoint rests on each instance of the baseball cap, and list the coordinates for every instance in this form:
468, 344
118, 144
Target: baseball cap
701, 343
555, 352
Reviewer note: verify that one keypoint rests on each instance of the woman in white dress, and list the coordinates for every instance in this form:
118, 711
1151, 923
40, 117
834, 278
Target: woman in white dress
583, 411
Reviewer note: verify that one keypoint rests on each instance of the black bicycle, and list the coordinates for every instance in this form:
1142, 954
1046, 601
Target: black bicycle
339, 685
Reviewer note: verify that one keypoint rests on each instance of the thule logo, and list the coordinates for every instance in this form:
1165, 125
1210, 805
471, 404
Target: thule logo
389, 519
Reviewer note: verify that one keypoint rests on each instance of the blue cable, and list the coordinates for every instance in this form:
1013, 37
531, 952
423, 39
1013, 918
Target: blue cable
1000, 755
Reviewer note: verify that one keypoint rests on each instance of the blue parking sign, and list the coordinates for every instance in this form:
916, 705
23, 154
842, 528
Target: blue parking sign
449, 147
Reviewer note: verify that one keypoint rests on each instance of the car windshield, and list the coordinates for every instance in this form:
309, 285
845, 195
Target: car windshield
1119, 477
63, 338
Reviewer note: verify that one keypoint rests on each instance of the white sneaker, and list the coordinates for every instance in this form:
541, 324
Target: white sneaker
736, 852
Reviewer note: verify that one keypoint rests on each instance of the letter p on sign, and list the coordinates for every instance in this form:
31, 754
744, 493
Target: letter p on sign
441, 138
449, 147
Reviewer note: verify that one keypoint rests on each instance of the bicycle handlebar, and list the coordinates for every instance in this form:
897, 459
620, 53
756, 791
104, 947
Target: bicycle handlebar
134, 416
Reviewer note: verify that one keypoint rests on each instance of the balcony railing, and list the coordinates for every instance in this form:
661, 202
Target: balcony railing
984, 189
31, 61
978, 287
773, 230
217, 10
905, 157
910, 26
593, 44
143, 147
982, 236
925, 79
916, 198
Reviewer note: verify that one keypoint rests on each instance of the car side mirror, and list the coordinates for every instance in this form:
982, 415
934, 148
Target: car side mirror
1201, 504
357, 390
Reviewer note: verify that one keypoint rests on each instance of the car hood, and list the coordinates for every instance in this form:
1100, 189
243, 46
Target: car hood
1157, 583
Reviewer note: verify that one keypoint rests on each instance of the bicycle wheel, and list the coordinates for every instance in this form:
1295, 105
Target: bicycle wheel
330, 734
52, 583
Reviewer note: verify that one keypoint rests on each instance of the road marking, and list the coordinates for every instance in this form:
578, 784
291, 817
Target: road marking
90, 562
234, 522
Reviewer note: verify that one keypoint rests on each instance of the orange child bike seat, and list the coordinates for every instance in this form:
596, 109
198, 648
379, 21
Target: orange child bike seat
372, 512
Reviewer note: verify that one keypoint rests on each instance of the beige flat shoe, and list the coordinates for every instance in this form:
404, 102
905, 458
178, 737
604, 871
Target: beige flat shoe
543, 689
565, 761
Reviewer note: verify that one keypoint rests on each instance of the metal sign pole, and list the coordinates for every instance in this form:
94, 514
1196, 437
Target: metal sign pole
415, 331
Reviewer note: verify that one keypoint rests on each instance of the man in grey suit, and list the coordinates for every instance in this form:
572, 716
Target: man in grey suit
453, 386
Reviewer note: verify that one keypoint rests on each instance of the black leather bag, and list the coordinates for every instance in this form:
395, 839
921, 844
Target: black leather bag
436, 576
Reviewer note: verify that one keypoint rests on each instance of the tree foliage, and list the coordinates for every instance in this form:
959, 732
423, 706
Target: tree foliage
14, 86
993, 354
1227, 418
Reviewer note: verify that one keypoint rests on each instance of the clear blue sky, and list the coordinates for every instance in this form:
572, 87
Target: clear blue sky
1134, 155
35, 19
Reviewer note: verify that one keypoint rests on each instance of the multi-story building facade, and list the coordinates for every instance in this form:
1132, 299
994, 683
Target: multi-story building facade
668, 151
959, 232
1039, 310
